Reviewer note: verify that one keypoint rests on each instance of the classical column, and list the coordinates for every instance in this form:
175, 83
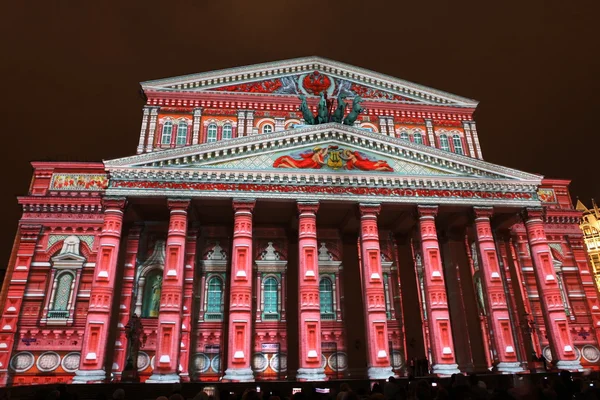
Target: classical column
499, 318
239, 350
188, 298
241, 123
378, 358
126, 300
166, 368
14, 286
151, 129
196, 125
440, 332
383, 125
309, 313
430, 134
555, 319
476, 140
101, 297
469, 137
140, 148
249, 122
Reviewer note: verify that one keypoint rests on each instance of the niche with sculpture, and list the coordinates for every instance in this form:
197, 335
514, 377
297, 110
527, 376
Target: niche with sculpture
149, 283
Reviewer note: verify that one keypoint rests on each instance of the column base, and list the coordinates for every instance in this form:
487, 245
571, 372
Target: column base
85, 376
445, 369
509, 367
163, 378
569, 365
239, 375
380, 373
311, 374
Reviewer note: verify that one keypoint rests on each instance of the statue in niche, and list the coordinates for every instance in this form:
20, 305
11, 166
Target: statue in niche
356, 110
152, 294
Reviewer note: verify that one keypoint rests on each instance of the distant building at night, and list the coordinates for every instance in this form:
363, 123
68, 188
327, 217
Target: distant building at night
590, 226
264, 231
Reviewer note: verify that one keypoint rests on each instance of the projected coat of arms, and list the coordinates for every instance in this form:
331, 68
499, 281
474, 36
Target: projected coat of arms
333, 157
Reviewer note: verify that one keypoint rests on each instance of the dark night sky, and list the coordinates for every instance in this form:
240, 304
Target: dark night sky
71, 72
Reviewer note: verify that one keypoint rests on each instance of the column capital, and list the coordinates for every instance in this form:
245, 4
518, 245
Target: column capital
175, 204
369, 209
530, 214
308, 207
114, 203
244, 204
427, 211
483, 212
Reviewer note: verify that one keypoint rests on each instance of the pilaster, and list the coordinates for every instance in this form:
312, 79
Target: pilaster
140, 148
440, 331
166, 367
309, 313
430, 135
240, 305
188, 296
151, 129
101, 297
241, 123
196, 125
378, 357
498, 313
555, 318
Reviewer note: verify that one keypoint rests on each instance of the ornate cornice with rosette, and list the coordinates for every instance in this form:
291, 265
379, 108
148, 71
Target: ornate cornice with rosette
257, 72
202, 154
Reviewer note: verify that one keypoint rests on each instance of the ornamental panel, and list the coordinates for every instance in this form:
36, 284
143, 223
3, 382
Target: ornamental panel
79, 182
48, 361
70, 362
21, 362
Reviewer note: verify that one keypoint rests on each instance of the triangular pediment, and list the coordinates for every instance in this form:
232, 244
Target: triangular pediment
343, 149
309, 76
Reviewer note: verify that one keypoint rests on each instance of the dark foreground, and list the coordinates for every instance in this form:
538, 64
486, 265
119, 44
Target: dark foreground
526, 386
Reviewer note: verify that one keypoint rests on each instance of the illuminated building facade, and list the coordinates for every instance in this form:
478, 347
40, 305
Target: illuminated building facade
260, 241
590, 226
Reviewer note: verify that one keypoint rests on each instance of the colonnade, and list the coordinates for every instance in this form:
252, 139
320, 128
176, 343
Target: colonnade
440, 334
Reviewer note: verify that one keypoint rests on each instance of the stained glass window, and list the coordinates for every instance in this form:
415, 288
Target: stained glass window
227, 132
167, 133
418, 138
182, 133
212, 133
215, 295
444, 145
326, 296
63, 292
457, 142
270, 296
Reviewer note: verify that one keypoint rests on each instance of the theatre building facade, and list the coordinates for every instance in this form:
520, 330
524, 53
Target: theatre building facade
297, 220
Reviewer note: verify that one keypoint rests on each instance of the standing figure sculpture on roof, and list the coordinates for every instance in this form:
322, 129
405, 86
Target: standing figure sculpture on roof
356, 110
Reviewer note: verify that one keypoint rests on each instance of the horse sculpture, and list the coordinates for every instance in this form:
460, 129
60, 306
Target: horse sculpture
322, 113
356, 110
308, 116
340, 110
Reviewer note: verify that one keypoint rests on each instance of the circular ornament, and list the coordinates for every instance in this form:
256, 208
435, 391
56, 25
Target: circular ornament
338, 361
152, 362
590, 353
547, 353
70, 362
215, 363
22, 361
48, 361
260, 362
278, 361
323, 361
143, 360
397, 359
201, 362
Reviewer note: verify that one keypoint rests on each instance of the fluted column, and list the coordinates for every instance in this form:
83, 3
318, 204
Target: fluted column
97, 327
442, 343
168, 341
555, 318
494, 290
239, 350
378, 359
309, 313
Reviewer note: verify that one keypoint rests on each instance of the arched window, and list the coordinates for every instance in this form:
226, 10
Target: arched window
181, 133
326, 298
418, 138
151, 298
62, 293
267, 128
270, 296
227, 132
212, 133
214, 298
404, 136
457, 142
167, 132
444, 145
